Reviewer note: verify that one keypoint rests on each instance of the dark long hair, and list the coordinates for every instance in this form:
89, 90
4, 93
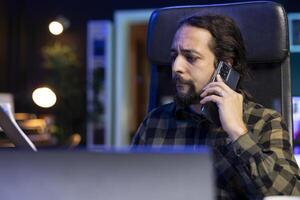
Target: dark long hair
227, 41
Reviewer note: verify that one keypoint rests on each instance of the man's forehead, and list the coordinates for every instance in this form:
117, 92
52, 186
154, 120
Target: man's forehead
182, 49
189, 37
185, 43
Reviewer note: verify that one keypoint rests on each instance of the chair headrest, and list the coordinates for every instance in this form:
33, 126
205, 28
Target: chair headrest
263, 25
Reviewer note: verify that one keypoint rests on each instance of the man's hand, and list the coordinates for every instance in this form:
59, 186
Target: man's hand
230, 104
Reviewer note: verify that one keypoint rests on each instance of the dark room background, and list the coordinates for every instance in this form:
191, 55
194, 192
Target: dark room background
24, 34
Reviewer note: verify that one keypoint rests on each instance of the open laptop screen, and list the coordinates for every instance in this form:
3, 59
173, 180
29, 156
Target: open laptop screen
123, 175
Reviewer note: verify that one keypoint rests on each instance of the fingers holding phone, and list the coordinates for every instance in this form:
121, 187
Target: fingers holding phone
229, 105
218, 88
215, 91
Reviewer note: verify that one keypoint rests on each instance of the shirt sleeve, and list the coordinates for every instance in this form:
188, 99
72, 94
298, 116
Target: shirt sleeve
139, 137
269, 157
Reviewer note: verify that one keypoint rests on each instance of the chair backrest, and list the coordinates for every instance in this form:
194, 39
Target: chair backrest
264, 28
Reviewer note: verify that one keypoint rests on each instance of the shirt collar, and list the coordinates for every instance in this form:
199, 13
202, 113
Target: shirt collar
186, 113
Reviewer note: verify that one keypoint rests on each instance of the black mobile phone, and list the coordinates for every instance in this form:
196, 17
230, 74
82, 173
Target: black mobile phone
231, 78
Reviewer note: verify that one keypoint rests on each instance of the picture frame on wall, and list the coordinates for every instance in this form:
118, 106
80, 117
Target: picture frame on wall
294, 31
99, 84
296, 123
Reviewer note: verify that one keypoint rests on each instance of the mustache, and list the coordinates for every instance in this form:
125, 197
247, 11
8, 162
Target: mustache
178, 79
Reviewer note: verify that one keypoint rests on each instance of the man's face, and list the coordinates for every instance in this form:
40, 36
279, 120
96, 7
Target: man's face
193, 62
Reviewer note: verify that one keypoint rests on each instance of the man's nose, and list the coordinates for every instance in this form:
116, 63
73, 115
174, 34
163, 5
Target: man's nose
178, 65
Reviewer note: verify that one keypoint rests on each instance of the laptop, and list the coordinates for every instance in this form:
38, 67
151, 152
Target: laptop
107, 175
12, 129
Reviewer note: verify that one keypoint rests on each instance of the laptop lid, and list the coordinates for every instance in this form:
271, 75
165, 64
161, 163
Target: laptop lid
12, 129
108, 176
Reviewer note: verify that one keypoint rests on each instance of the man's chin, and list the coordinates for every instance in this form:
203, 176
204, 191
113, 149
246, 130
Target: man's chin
183, 90
185, 100
181, 94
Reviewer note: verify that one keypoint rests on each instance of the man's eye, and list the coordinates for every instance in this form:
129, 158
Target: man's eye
190, 58
173, 56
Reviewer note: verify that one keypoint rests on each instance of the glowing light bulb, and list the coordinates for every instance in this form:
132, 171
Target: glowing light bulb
44, 97
56, 28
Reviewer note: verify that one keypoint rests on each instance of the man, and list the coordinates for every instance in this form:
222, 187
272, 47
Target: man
252, 153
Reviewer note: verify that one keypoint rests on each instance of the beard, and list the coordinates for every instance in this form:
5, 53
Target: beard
191, 96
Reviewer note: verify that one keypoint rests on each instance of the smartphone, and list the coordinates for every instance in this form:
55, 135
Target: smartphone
231, 78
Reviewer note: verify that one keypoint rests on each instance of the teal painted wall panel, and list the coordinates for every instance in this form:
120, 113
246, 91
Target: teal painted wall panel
295, 73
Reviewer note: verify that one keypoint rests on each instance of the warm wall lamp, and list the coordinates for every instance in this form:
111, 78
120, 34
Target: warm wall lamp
57, 26
44, 97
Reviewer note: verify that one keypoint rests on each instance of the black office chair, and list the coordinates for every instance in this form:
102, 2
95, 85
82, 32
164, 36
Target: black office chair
265, 33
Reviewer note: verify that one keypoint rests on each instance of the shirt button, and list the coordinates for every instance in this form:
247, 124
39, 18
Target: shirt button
238, 152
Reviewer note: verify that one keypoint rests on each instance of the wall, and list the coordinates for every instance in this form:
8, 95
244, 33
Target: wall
295, 72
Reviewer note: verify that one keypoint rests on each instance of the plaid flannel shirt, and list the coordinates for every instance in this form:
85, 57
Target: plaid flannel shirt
259, 163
